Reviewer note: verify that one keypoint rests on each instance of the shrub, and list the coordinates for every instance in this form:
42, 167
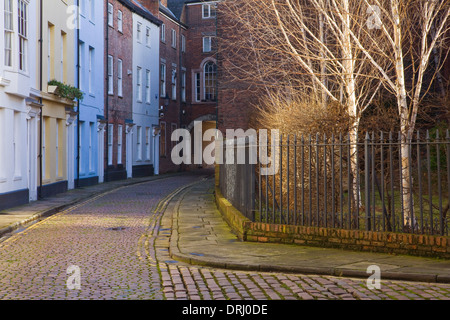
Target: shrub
66, 91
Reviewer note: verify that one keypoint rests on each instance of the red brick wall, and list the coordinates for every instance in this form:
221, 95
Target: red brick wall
198, 28
172, 112
234, 105
151, 5
385, 242
118, 108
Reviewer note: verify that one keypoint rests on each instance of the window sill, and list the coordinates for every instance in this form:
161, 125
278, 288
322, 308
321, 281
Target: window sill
3, 180
17, 178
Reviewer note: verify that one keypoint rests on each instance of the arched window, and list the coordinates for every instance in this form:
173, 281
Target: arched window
210, 74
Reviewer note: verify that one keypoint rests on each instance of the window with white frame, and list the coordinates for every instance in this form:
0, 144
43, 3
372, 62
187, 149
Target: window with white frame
148, 138
173, 128
210, 77
57, 147
119, 77
44, 147
110, 15
110, 143
163, 80
81, 146
207, 43
23, 34
91, 70
139, 84
82, 7
92, 10
50, 66
16, 144
119, 143
91, 146
174, 84
162, 140
9, 28
2, 145
110, 75
62, 47
139, 143
209, 10
81, 65
139, 31
174, 38
163, 32
120, 21
147, 86
183, 43
197, 86
183, 86
147, 37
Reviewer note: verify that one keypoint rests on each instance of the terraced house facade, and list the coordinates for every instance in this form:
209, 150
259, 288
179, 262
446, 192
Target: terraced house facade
91, 91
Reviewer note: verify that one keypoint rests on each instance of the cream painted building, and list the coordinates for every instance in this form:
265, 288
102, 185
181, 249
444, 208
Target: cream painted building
57, 117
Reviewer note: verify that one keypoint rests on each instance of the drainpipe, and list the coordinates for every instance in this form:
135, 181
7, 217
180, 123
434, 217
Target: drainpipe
40, 98
78, 86
217, 70
180, 76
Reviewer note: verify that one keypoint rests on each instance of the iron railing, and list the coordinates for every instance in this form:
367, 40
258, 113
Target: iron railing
237, 178
339, 183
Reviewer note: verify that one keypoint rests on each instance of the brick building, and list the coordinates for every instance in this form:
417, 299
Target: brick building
188, 69
172, 72
118, 74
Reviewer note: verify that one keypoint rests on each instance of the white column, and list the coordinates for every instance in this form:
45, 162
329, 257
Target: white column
156, 134
101, 151
129, 150
32, 141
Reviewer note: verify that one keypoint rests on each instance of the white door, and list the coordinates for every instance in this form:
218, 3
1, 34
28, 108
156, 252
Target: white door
32, 157
129, 150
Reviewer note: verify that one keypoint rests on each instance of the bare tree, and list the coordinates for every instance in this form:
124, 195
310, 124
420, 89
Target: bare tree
339, 51
295, 48
408, 33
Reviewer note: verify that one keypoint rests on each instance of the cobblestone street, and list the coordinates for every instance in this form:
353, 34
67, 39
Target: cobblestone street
122, 251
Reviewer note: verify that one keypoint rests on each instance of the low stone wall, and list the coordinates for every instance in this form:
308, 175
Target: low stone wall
385, 242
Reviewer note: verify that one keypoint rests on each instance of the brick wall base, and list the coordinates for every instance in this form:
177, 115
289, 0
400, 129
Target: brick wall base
384, 242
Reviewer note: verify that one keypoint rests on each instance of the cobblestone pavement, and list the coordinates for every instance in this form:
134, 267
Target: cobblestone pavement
117, 241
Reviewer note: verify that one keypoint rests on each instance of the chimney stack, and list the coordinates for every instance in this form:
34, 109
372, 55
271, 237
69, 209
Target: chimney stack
152, 6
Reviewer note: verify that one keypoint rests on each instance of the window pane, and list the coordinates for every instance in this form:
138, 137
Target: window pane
8, 52
206, 44
210, 81
120, 18
212, 10
8, 15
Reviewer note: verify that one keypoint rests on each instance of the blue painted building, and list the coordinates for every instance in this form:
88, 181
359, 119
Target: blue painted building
89, 130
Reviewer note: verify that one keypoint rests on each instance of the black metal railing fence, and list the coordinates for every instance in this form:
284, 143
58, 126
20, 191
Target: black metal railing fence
334, 182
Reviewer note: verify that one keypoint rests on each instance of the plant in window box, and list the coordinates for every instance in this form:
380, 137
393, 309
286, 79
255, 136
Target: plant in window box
64, 91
